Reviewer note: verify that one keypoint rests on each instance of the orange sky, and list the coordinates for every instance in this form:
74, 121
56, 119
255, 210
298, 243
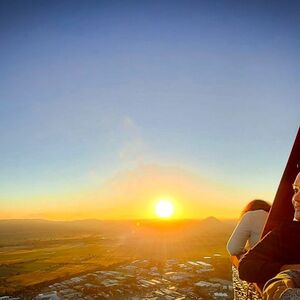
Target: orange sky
132, 194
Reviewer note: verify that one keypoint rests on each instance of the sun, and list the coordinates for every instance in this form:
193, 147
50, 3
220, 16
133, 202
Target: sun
164, 208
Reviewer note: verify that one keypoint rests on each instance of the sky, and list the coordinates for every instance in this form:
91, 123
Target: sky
108, 106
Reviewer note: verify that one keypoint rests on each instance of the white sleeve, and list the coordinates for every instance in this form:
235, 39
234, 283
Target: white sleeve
240, 236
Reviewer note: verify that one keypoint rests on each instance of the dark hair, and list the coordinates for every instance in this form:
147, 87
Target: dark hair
256, 204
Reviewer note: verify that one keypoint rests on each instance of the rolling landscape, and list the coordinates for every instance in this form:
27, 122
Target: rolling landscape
35, 253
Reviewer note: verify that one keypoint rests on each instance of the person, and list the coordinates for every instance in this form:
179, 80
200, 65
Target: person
284, 286
248, 230
279, 250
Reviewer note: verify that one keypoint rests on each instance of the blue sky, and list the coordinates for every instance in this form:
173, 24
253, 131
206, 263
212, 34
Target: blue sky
91, 89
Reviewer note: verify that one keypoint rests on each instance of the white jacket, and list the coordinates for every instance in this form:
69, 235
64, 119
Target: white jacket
247, 232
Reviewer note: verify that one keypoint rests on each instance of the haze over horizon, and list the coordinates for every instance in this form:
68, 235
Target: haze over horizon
107, 107
154, 219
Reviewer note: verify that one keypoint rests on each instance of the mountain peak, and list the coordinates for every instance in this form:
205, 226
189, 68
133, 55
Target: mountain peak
211, 220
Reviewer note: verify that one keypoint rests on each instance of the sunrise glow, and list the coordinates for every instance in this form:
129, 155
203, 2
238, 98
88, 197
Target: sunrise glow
138, 115
164, 209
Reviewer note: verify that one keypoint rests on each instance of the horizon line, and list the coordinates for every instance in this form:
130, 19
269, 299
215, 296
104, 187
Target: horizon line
117, 220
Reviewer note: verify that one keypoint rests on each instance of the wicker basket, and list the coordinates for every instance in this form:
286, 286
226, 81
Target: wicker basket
243, 290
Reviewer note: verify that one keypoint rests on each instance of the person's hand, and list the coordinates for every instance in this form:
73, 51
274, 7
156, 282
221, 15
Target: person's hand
275, 289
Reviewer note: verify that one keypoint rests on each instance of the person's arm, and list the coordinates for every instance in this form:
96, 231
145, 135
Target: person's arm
263, 261
279, 285
237, 242
284, 285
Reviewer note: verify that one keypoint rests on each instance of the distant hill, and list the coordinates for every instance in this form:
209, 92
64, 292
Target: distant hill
212, 219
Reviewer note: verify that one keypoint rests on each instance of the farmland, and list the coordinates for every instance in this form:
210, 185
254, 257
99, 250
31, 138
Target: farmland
38, 252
